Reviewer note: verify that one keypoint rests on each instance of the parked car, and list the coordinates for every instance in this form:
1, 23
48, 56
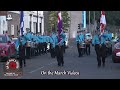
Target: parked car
7, 47
115, 40
116, 53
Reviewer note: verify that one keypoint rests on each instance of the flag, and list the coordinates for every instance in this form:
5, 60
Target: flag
21, 22
59, 25
102, 22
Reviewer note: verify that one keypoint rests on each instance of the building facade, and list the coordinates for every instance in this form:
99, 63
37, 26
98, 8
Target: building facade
3, 22
31, 21
10, 22
76, 18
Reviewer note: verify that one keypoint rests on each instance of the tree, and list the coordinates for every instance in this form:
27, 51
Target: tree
53, 18
52, 21
65, 20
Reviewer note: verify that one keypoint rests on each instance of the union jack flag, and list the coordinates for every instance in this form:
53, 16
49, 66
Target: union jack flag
102, 22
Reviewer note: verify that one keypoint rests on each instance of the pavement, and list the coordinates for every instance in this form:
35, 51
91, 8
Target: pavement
44, 67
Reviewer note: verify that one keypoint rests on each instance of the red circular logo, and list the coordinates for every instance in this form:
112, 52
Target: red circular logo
12, 65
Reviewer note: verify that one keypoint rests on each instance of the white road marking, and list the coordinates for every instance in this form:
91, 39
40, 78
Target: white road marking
42, 67
37, 69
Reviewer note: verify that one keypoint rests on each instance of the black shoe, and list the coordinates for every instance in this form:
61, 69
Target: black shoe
99, 66
103, 64
24, 65
78, 56
58, 65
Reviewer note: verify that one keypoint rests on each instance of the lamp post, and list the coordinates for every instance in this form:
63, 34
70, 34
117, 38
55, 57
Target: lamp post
37, 24
30, 22
94, 21
41, 24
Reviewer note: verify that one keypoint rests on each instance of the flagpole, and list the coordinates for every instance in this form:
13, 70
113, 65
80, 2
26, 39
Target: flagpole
21, 22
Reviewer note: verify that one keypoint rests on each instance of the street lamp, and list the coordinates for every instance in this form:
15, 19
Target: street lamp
30, 22
41, 24
37, 24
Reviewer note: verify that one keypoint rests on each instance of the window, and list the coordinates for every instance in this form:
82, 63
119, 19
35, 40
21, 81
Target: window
35, 26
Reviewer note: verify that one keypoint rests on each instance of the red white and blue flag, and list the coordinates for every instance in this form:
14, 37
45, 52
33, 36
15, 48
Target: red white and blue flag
59, 25
21, 22
102, 22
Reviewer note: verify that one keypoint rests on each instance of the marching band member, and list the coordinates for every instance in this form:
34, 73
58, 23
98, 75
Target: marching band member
100, 47
83, 41
28, 37
59, 49
64, 39
110, 42
52, 44
96, 44
39, 41
36, 44
82, 44
48, 42
33, 45
45, 43
78, 44
40, 44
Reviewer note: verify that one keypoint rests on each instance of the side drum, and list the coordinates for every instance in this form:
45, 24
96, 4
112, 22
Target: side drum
28, 44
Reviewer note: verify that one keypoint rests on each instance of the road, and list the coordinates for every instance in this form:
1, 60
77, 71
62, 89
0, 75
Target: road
44, 67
